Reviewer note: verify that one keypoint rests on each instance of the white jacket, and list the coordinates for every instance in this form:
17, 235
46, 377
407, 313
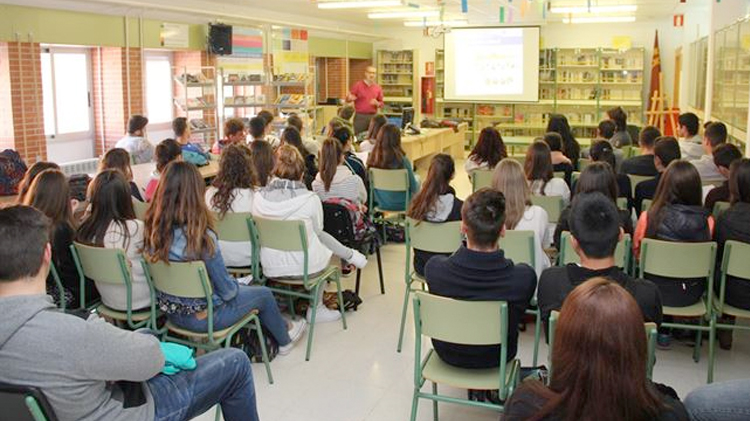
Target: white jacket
535, 219
114, 295
235, 253
289, 200
555, 187
345, 184
139, 148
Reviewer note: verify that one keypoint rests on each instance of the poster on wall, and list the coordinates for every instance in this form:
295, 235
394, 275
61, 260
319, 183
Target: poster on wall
174, 35
290, 51
247, 42
245, 64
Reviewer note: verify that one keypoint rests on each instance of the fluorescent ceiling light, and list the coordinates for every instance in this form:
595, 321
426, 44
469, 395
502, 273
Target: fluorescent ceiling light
421, 23
358, 4
594, 9
600, 19
405, 14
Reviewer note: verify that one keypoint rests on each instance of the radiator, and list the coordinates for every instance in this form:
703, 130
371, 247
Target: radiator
84, 166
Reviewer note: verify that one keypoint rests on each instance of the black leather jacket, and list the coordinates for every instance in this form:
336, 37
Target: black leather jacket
681, 223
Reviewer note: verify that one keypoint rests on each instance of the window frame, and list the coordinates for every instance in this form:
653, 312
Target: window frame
158, 55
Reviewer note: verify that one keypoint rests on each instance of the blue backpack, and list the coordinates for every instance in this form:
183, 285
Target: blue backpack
12, 170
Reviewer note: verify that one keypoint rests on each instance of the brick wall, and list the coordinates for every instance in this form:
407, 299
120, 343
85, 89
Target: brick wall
21, 107
191, 62
357, 69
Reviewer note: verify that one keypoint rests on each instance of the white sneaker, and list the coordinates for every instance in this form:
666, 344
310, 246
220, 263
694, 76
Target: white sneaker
245, 280
358, 259
323, 315
295, 333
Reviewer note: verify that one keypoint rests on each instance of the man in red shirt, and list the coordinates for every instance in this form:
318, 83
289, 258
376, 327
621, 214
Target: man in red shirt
368, 98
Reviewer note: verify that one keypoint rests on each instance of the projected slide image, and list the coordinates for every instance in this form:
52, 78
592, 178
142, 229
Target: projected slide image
490, 63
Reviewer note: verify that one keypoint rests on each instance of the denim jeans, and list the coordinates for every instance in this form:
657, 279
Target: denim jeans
725, 401
222, 377
228, 313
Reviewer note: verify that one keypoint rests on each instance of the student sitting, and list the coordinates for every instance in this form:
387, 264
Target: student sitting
191, 152
714, 135
232, 191
520, 214
49, 193
267, 117
605, 131
344, 136
78, 185
30, 175
344, 117
336, 180
111, 223
257, 128
558, 123
734, 224
263, 161
119, 159
479, 271
376, 123
435, 202
599, 359
286, 198
234, 132
82, 365
180, 228
720, 401
488, 151
310, 144
541, 178
602, 151
595, 228
291, 136
135, 141
666, 150
560, 162
596, 177
724, 155
167, 150
388, 155
643, 164
691, 145
621, 137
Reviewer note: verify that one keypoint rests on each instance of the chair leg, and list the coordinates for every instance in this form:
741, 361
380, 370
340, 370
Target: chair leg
414, 404
380, 271
356, 286
313, 312
341, 300
711, 348
217, 417
403, 316
264, 351
434, 402
698, 344
537, 334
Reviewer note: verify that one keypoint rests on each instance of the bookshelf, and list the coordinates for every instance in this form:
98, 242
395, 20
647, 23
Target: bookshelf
397, 76
731, 82
195, 98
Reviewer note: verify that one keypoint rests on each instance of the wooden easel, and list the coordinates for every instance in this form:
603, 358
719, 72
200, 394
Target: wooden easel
660, 108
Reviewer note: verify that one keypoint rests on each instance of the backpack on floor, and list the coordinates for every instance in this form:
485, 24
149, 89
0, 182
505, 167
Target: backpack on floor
247, 340
12, 170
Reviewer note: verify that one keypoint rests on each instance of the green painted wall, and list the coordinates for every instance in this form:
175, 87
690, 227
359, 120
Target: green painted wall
330, 47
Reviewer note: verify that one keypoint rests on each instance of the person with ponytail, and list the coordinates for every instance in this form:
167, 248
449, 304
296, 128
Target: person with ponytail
376, 123
336, 180
540, 175
435, 202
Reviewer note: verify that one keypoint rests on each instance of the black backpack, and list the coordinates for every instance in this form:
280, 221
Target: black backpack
247, 340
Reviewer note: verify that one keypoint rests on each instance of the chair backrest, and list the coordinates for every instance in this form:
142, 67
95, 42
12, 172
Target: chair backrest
583, 163
518, 246
574, 178
622, 203
559, 174
181, 279
635, 179
434, 237
140, 209
568, 255
627, 151
447, 319
233, 226
521, 159
677, 260
646, 204
338, 222
552, 204
24, 403
719, 208
389, 180
280, 235
480, 179
736, 261
102, 264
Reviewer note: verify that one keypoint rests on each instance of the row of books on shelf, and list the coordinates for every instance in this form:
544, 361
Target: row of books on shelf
244, 100
292, 77
294, 100
199, 102
234, 78
194, 78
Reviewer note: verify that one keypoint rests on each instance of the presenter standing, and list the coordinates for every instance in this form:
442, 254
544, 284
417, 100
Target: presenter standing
368, 98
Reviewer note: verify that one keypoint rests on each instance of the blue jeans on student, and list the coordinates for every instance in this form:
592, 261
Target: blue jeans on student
228, 313
222, 377
723, 401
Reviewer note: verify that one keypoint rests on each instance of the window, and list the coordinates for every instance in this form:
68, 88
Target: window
159, 108
66, 93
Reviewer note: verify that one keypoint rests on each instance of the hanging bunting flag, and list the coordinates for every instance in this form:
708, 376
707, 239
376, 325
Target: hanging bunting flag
464, 6
502, 14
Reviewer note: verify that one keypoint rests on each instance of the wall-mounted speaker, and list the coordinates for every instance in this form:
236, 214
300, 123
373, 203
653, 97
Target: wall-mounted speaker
220, 39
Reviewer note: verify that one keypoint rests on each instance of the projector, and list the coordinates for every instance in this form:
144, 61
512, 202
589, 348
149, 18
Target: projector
436, 31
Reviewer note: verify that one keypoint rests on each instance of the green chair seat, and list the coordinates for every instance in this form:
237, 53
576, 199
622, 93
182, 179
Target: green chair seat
418, 278
218, 334
732, 311
694, 310
121, 315
438, 371
480, 179
312, 280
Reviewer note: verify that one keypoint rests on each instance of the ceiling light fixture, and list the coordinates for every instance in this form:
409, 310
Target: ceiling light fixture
600, 19
359, 4
405, 14
421, 23
594, 9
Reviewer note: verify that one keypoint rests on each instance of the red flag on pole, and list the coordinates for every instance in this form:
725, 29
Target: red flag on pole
655, 70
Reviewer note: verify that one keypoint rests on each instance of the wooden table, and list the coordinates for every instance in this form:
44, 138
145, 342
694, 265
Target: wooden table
142, 172
519, 144
434, 141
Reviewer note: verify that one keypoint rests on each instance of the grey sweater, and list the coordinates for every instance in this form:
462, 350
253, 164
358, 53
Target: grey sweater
73, 360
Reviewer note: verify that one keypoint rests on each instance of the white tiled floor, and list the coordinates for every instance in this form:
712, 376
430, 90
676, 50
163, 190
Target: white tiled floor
356, 374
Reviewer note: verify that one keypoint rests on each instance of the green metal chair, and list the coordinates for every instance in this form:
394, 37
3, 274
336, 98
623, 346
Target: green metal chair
291, 236
559, 174
58, 283
651, 332
574, 178
480, 179
24, 403
140, 209
583, 163
568, 255
392, 181
443, 237
519, 247
719, 208
552, 204
622, 203
190, 280
235, 227
635, 179
447, 320
736, 263
110, 266
646, 205
680, 261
